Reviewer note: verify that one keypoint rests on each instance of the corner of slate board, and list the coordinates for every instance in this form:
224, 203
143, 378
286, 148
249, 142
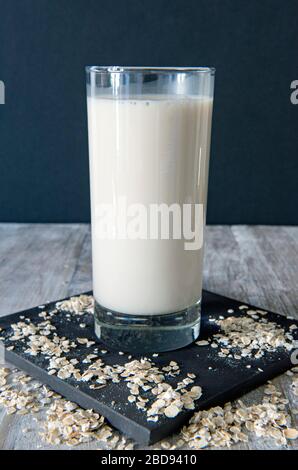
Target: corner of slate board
227, 381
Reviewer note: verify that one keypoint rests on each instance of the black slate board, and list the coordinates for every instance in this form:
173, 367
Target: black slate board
228, 379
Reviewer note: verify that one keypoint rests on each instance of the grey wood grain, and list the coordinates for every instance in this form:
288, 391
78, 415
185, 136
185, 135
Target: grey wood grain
44, 262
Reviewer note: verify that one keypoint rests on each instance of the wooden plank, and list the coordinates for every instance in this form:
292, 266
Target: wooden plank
252, 264
43, 262
38, 263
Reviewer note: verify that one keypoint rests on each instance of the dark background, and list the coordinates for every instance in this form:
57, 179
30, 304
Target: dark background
44, 46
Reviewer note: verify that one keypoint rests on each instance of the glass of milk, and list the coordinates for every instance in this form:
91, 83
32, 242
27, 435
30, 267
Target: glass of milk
149, 139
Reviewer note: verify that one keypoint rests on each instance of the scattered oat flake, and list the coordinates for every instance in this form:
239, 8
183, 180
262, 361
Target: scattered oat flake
203, 342
224, 426
171, 411
77, 305
291, 433
262, 312
246, 337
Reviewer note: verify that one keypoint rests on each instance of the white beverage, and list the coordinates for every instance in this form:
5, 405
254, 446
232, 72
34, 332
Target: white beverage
148, 150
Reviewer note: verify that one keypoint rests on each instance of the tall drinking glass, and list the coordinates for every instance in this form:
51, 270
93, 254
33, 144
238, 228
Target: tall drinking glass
149, 137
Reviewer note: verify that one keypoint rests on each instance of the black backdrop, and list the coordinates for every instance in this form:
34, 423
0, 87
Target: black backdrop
44, 46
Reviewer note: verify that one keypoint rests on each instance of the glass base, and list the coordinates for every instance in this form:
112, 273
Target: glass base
147, 333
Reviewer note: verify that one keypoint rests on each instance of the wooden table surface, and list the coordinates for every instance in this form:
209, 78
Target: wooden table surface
44, 262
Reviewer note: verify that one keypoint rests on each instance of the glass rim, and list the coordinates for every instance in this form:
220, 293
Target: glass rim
104, 69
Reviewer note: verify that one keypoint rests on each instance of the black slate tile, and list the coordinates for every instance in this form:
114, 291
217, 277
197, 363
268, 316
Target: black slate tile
228, 379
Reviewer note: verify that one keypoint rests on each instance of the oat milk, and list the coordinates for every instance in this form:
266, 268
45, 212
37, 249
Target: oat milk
148, 150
